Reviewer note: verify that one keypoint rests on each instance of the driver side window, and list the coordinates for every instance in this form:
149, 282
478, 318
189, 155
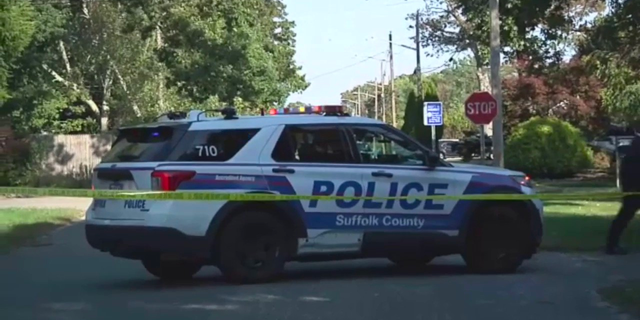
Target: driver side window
378, 145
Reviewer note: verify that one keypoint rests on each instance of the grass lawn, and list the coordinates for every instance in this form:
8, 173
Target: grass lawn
582, 225
18, 226
625, 295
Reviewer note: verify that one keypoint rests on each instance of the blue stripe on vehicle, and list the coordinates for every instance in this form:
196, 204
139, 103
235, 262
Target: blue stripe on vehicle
212, 182
478, 184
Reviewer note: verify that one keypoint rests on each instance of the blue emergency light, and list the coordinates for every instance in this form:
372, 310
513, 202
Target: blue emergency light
335, 109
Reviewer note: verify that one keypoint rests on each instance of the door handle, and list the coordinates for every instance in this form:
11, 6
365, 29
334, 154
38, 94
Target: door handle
283, 170
382, 174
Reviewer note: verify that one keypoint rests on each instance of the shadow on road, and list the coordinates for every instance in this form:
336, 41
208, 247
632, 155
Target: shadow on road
304, 275
29, 234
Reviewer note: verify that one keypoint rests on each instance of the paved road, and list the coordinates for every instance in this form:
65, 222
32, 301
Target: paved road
67, 281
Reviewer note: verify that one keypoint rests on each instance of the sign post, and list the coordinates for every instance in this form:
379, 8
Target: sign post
432, 116
481, 108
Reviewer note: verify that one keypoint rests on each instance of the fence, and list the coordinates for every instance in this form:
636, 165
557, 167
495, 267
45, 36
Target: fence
68, 160
6, 134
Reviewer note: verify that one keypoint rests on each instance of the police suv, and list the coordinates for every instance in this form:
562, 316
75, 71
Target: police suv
319, 151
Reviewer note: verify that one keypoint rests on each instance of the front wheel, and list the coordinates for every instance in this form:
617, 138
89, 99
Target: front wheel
171, 270
253, 247
497, 240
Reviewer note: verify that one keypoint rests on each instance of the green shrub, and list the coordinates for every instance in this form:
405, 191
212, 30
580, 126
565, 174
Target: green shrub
20, 166
547, 148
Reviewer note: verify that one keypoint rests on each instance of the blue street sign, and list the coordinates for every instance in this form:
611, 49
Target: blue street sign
432, 112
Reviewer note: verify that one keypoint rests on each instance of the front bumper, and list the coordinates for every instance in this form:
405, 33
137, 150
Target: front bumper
138, 242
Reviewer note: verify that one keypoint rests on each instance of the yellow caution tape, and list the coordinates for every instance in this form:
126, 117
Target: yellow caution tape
216, 196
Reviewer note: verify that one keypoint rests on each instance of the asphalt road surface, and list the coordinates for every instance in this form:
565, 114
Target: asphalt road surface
67, 280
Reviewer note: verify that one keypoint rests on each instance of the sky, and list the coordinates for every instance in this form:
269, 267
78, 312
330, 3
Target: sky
340, 43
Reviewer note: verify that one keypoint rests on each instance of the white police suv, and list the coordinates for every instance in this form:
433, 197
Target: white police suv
309, 151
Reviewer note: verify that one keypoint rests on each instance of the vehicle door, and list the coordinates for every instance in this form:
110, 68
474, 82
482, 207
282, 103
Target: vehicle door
396, 167
312, 160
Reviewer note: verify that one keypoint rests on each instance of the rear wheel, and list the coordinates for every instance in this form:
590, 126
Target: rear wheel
497, 240
171, 269
253, 247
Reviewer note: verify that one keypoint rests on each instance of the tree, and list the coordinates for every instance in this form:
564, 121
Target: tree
413, 115
534, 29
17, 19
95, 65
624, 106
570, 93
611, 49
454, 85
616, 36
225, 48
82, 70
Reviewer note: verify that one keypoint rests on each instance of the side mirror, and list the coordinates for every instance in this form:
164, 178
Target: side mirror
432, 160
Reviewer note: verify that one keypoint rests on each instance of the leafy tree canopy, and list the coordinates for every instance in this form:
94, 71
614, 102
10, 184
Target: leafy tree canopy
91, 65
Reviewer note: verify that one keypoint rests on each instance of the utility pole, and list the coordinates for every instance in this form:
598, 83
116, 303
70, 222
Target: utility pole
359, 113
384, 107
496, 85
375, 82
418, 68
391, 79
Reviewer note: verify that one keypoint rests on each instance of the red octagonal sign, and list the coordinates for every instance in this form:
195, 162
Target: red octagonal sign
481, 108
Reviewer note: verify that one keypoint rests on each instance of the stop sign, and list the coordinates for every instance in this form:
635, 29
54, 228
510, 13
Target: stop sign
481, 107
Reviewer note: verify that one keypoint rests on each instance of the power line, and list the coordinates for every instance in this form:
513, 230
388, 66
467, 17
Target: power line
347, 66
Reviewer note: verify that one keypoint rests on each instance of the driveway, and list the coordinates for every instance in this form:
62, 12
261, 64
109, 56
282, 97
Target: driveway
68, 280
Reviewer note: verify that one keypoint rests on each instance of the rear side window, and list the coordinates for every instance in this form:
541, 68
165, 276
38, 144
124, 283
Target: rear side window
311, 144
144, 144
212, 145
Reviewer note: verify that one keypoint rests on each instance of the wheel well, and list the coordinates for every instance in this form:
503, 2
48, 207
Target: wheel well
282, 212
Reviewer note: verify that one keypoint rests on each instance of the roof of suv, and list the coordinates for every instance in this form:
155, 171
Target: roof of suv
264, 121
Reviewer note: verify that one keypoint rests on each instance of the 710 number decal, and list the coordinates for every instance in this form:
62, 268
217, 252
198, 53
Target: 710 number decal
209, 151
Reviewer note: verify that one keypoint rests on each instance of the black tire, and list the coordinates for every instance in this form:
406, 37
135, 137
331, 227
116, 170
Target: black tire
497, 240
253, 247
410, 262
171, 269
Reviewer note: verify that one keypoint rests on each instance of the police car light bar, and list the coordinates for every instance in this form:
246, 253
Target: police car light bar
335, 109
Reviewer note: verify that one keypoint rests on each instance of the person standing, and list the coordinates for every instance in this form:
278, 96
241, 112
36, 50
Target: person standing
630, 182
